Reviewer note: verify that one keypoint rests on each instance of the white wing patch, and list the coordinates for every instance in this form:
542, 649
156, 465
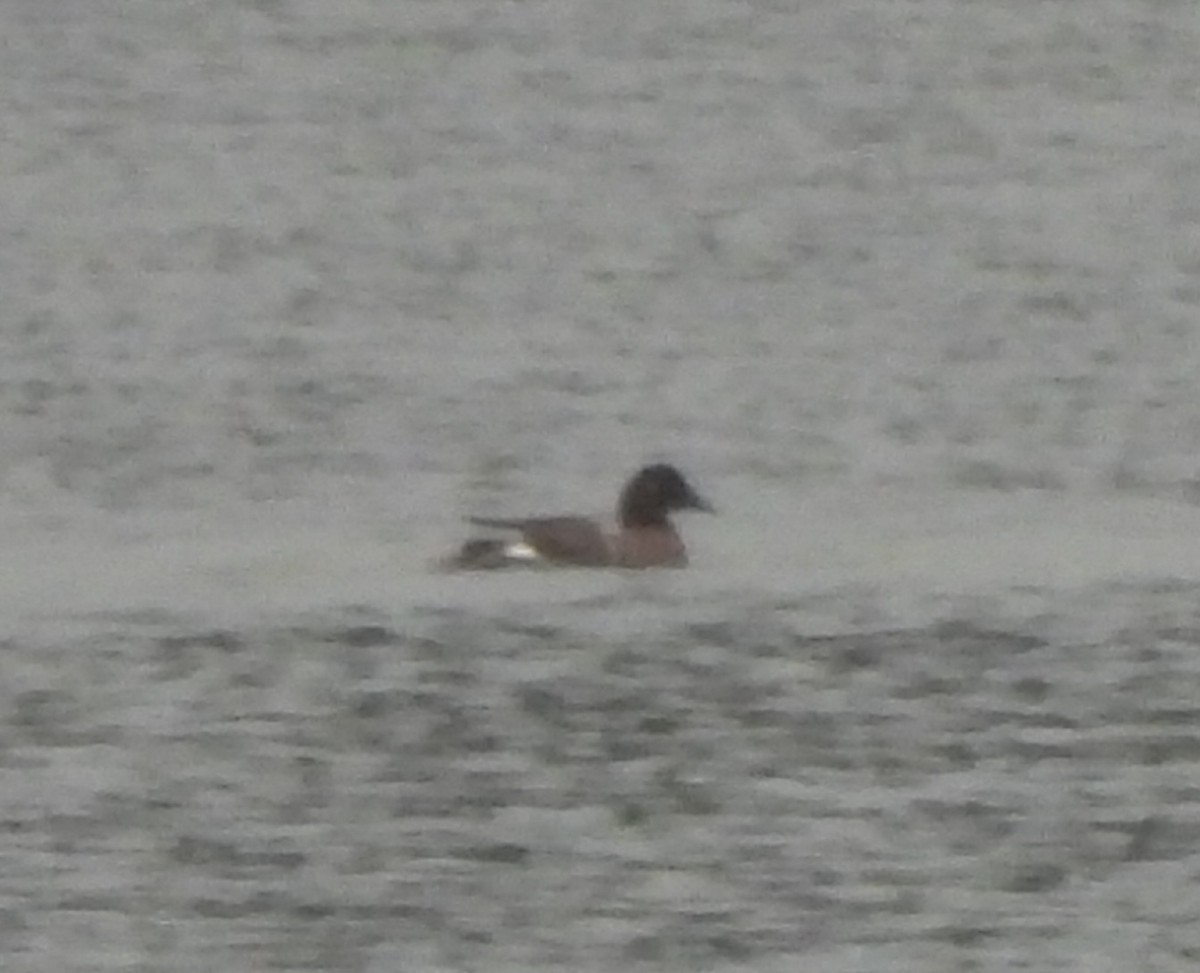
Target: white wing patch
520, 551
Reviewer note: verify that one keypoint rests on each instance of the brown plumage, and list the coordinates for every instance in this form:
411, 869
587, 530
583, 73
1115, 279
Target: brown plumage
645, 536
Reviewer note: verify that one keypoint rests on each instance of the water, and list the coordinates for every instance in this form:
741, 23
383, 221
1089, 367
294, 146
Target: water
908, 290
632, 779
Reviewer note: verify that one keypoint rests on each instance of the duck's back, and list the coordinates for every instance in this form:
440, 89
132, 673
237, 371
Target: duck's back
559, 540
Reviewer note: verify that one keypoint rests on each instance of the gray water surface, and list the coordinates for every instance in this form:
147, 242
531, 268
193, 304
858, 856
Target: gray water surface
909, 289
459, 790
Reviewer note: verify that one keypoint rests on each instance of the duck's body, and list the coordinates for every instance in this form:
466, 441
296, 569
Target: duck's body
644, 536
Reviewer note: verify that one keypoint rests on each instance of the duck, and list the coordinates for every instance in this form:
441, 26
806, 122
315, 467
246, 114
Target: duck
644, 536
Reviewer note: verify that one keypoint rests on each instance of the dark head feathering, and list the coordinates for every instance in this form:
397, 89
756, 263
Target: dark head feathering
653, 493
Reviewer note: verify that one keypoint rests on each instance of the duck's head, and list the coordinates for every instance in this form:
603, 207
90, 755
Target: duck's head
653, 492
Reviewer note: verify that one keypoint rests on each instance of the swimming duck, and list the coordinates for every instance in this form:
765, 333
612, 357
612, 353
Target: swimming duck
644, 537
